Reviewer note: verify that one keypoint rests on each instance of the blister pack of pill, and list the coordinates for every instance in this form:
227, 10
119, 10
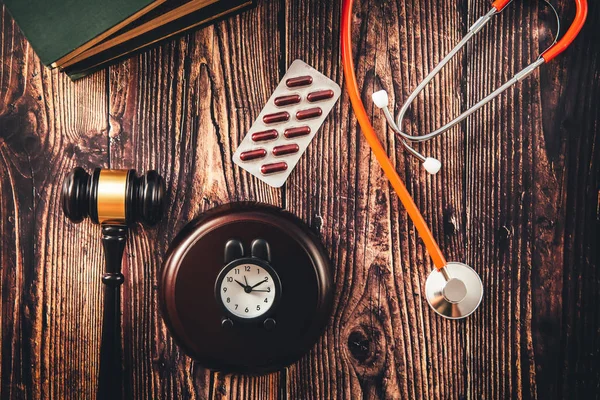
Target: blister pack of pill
287, 124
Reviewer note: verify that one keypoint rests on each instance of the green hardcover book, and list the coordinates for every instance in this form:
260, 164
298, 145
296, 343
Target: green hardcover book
151, 30
57, 28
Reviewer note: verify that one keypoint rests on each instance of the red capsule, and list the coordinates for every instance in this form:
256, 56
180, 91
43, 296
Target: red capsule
299, 81
285, 149
277, 117
320, 95
253, 154
287, 100
265, 135
273, 168
309, 113
295, 132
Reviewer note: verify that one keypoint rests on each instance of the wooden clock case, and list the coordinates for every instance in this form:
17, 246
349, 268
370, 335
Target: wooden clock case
194, 316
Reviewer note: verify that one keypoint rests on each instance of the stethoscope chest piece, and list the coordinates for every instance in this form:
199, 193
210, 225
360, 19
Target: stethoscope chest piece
454, 292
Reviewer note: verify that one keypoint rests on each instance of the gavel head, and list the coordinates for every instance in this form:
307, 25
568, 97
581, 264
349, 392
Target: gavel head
113, 197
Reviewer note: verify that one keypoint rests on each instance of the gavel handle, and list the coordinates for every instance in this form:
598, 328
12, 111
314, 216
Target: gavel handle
110, 379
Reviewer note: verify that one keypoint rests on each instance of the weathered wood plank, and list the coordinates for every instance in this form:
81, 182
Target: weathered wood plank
499, 209
382, 341
51, 269
517, 169
517, 199
143, 114
228, 386
182, 109
504, 366
566, 177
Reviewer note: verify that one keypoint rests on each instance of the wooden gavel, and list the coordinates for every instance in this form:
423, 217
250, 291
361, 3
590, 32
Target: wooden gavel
114, 199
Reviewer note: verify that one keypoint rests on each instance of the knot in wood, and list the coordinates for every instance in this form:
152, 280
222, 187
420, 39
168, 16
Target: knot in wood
317, 223
367, 349
450, 223
359, 346
504, 233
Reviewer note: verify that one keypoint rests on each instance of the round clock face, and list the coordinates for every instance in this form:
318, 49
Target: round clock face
248, 290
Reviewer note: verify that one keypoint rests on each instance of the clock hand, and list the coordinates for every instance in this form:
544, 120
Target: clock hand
246, 280
259, 283
240, 283
257, 290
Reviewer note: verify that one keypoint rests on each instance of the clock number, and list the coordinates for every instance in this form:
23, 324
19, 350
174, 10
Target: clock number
268, 289
246, 310
237, 271
258, 270
258, 307
247, 268
229, 279
228, 300
224, 289
267, 279
236, 306
266, 299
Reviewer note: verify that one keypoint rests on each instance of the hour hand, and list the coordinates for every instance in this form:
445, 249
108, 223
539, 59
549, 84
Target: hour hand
240, 283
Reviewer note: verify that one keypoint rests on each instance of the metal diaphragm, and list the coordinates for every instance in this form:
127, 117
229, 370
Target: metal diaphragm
456, 293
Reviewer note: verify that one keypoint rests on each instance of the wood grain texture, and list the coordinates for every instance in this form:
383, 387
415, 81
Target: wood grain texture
47, 126
386, 337
182, 109
517, 199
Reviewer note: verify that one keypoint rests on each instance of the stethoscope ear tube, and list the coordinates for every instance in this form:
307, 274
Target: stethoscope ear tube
499, 5
572, 32
381, 98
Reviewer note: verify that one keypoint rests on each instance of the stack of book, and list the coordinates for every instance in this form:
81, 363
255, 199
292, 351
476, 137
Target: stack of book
82, 36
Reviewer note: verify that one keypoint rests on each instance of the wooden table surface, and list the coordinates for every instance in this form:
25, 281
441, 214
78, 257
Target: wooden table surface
517, 199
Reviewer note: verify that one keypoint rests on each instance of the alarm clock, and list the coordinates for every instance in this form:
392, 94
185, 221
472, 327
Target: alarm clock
246, 288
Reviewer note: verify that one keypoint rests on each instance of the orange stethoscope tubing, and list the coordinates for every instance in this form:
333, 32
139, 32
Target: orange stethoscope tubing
572, 32
369, 133
380, 154
570, 35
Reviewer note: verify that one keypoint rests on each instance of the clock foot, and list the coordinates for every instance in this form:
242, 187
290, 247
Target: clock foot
269, 324
226, 323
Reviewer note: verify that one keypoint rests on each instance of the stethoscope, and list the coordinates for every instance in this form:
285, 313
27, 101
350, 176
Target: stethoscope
454, 290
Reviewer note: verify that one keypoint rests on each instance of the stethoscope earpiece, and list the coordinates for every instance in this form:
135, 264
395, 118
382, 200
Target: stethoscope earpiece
432, 165
381, 99
455, 291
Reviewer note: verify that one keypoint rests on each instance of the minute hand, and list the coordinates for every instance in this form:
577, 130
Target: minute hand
240, 283
259, 283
